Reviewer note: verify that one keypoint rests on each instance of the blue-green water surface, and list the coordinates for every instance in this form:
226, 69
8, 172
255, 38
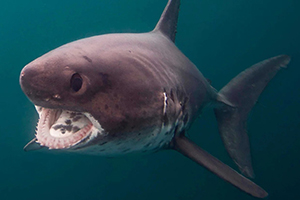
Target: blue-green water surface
222, 37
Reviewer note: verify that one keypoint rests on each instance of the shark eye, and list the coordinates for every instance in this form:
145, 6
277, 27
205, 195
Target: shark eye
76, 82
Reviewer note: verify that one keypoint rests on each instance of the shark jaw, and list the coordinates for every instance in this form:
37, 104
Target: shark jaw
64, 129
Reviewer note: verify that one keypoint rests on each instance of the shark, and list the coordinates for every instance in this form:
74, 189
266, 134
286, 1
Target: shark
122, 93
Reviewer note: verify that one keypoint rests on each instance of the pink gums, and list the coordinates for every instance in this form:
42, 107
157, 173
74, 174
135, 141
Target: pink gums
45, 139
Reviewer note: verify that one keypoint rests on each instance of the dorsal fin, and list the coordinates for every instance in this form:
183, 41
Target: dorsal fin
168, 21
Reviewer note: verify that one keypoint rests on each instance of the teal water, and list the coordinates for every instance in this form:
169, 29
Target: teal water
221, 37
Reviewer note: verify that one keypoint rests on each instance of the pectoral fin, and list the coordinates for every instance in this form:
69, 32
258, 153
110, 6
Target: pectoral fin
32, 145
194, 152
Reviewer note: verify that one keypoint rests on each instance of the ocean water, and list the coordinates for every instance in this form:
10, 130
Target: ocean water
221, 37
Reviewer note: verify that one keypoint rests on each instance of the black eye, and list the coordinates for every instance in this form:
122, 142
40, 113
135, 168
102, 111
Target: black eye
76, 82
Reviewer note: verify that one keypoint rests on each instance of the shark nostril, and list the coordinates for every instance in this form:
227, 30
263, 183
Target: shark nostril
26, 75
22, 74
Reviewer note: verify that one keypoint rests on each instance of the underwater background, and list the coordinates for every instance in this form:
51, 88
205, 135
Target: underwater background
222, 37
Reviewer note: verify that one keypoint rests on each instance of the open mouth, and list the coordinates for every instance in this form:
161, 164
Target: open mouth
61, 129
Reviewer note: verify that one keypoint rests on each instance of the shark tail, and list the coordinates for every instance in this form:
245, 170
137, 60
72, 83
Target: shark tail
238, 97
236, 100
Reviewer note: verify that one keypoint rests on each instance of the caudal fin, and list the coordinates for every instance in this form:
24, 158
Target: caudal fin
242, 92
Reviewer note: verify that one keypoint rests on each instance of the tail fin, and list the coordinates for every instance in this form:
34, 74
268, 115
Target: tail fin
243, 92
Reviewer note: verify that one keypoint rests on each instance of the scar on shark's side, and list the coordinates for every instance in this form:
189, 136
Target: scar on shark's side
124, 93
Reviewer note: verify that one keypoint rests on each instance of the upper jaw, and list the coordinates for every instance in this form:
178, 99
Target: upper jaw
63, 129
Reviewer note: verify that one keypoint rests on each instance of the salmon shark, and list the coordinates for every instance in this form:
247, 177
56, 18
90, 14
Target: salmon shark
123, 93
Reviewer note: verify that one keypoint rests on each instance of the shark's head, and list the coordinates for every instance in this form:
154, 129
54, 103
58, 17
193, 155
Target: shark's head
63, 85
108, 90
93, 91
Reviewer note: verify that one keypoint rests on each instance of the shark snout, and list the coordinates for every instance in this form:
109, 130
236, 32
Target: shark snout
33, 83
27, 78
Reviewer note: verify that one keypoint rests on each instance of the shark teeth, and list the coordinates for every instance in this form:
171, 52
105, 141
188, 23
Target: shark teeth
56, 130
94, 122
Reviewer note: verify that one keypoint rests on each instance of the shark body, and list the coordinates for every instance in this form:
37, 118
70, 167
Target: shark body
123, 93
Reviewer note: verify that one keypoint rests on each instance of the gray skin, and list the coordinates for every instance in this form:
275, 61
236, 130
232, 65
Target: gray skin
145, 94
125, 77
124, 80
